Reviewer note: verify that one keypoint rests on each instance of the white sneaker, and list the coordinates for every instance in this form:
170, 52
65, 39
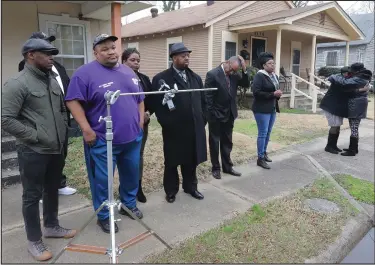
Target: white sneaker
67, 191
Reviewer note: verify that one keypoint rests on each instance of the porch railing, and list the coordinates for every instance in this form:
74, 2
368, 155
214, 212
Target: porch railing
313, 96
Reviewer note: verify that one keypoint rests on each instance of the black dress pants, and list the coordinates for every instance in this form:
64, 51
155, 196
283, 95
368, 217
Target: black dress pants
220, 140
171, 179
40, 178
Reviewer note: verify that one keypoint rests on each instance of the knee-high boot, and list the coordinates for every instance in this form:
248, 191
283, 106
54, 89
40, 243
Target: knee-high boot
353, 147
331, 144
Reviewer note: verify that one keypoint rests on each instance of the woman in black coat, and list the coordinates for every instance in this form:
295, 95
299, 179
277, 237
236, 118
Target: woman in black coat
131, 57
356, 86
266, 94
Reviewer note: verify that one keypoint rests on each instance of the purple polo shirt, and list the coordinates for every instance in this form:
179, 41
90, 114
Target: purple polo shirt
88, 85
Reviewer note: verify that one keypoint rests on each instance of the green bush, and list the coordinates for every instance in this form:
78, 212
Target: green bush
327, 71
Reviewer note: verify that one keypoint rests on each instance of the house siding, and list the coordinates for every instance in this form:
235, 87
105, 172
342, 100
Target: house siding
258, 9
313, 22
154, 55
368, 55
20, 20
286, 40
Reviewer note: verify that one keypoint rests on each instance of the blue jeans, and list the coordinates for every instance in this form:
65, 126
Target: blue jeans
265, 123
127, 158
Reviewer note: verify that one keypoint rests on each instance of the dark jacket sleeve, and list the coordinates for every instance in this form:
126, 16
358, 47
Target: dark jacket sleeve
257, 88
209, 95
244, 80
148, 88
347, 85
21, 65
13, 97
203, 99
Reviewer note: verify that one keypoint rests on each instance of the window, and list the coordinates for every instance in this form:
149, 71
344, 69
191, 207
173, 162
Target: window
170, 42
230, 49
360, 56
296, 57
71, 42
133, 45
332, 58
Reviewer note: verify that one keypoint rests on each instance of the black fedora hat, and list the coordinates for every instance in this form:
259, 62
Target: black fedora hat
177, 48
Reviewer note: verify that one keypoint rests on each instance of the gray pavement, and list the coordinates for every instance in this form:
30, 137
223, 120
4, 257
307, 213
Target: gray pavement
186, 217
364, 251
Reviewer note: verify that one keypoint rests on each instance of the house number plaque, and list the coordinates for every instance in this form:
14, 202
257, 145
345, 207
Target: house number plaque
259, 33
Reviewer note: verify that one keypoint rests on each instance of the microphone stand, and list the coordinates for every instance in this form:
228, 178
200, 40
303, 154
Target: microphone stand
114, 251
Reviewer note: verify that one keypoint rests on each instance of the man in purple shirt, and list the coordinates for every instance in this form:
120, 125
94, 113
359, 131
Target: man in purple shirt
85, 100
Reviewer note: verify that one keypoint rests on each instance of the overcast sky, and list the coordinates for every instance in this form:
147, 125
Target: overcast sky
352, 5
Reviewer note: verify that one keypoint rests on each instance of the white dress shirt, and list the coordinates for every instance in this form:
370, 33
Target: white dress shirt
58, 78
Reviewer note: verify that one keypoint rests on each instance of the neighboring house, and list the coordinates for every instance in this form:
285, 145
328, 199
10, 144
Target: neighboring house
217, 30
333, 54
75, 24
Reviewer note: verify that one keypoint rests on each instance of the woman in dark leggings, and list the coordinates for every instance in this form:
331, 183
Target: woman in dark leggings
356, 85
131, 57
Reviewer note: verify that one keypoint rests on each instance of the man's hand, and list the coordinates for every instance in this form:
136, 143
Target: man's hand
278, 93
89, 136
147, 117
365, 88
243, 63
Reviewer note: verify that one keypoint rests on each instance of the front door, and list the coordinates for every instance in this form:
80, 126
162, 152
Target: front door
257, 46
296, 57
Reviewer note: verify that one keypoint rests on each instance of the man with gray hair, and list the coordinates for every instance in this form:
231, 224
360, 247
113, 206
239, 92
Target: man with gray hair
222, 110
33, 111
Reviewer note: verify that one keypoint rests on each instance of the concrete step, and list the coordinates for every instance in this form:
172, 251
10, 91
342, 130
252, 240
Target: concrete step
9, 177
9, 160
8, 144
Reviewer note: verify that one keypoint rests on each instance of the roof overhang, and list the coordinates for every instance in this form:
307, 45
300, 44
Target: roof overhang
101, 10
332, 9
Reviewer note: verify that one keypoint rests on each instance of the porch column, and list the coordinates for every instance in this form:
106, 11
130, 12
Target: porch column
312, 64
116, 25
347, 54
278, 52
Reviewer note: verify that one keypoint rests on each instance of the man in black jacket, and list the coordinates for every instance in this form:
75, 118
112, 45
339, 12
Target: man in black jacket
63, 80
222, 111
184, 135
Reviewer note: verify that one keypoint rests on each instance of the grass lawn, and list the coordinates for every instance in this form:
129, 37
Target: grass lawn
282, 231
359, 189
289, 129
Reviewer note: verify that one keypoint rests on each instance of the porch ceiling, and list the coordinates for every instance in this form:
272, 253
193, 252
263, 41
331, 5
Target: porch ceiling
101, 10
284, 20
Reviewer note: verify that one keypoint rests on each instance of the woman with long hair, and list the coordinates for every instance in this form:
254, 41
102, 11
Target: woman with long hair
266, 92
131, 57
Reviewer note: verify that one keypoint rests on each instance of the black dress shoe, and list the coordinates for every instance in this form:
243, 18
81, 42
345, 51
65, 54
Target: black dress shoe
170, 198
216, 174
262, 163
141, 197
105, 226
266, 158
196, 194
233, 172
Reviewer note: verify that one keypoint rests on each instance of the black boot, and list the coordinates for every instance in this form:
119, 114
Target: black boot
331, 144
336, 139
140, 196
262, 163
356, 150
353, 147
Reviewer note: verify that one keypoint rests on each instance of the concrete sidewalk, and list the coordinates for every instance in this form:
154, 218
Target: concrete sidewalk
186, 217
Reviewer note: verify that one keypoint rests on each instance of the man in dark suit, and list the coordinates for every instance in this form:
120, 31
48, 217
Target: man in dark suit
222, 111
183, 128
63, 80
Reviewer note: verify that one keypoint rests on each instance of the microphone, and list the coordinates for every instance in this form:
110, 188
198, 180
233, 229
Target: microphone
167, 96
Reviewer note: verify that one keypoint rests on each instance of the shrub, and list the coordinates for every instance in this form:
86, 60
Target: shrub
327, 71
